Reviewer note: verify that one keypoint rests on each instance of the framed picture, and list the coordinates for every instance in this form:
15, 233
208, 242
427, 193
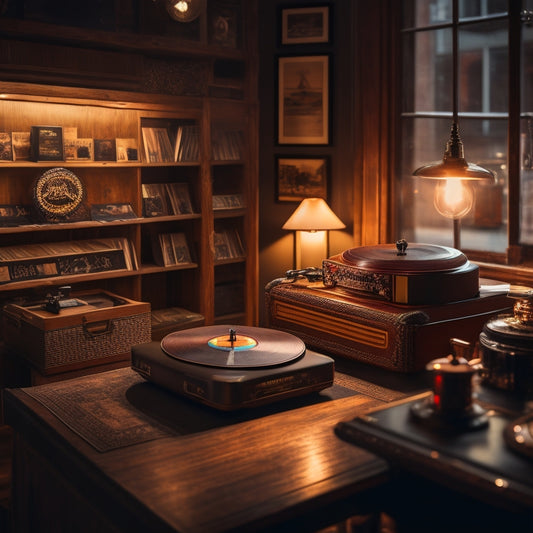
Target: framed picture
305, 25
301, 177
303, 100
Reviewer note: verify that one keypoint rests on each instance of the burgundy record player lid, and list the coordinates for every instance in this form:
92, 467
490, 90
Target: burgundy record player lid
415, 258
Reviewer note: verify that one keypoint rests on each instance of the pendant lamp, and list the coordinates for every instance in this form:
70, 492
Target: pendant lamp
454, 196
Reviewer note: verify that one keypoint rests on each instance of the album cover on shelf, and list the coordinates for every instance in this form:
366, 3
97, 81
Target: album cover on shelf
222, 250
33, 261
170, 249
109, 212
105, 150
70, 136
21, 145
168, 316
155, 202
226, 145
6, 146
186, 147
228, 244
46, 143
228, 201
15, 215
80, 149
127, 150
180, 201
157, 145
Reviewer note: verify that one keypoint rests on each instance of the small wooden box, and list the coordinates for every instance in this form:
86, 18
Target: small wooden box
396, 337
101, 331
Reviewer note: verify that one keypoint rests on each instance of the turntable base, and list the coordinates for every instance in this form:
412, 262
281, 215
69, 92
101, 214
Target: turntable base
233, 386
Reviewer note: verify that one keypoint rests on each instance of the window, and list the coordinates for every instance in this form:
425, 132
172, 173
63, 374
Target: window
495, 123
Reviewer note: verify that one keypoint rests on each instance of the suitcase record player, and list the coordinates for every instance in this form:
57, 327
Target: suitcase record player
228, 367
404, 273
391, 305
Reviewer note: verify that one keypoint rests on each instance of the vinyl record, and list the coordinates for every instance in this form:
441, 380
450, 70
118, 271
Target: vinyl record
225, 346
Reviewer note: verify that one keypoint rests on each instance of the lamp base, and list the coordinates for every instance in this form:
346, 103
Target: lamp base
311, 248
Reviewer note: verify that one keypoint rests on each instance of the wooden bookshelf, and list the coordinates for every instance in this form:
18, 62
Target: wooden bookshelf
105, 114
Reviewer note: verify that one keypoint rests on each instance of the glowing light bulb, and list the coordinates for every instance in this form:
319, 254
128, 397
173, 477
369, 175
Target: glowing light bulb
453, 198
182, 6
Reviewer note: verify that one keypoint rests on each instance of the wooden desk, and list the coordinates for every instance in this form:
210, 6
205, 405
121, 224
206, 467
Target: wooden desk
284, 469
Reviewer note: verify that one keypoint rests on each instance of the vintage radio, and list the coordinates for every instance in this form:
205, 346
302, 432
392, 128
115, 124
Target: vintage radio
89, 328
393, 311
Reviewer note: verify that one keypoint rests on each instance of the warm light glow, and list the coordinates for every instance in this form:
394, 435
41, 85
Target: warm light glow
311, 248
311, 220
453, 198
185, 10
181, 6
313, 214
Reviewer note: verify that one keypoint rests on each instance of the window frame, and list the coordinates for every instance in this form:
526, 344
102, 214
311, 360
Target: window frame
516, 264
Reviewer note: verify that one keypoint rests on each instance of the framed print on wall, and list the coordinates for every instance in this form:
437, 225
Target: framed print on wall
300, 177
305, 25
303, 100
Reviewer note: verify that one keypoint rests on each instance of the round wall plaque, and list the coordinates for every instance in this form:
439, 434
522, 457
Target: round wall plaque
58, 193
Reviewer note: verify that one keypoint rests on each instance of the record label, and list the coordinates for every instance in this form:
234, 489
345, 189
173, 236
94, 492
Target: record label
225, 346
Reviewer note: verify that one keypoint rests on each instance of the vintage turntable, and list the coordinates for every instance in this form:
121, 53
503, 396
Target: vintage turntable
391, 305
405, 273
228, 367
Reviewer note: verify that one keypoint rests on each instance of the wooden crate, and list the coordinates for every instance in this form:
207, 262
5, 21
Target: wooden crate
102, 331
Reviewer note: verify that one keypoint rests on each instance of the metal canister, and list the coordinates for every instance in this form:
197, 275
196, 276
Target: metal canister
452, 379
506, 347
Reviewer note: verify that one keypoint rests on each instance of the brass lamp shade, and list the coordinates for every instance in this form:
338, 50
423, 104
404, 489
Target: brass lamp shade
454, 164
313, 214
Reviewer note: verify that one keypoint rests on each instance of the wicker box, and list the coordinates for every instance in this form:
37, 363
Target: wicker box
103, 330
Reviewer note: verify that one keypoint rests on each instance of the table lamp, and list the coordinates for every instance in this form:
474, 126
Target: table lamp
311, 222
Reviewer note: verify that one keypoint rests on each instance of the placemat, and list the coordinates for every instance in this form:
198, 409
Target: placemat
119, 408
96, 408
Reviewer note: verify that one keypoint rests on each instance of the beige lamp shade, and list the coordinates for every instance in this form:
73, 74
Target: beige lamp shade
313, 214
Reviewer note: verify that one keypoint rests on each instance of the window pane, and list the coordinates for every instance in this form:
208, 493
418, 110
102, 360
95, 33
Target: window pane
526, 135
428, 71
527, 68
420, 13
481, 8
424, 143
483, 64
485, 227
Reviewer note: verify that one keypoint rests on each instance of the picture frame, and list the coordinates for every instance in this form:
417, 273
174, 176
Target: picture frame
300, 177
305, 25
303, 100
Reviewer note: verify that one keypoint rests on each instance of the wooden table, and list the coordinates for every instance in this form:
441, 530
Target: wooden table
284, 469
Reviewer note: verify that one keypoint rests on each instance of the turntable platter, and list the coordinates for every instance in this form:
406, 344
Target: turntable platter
413, 274
224, 346
418, 258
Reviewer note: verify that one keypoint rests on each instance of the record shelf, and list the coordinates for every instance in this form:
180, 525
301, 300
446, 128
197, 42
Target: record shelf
114, 86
